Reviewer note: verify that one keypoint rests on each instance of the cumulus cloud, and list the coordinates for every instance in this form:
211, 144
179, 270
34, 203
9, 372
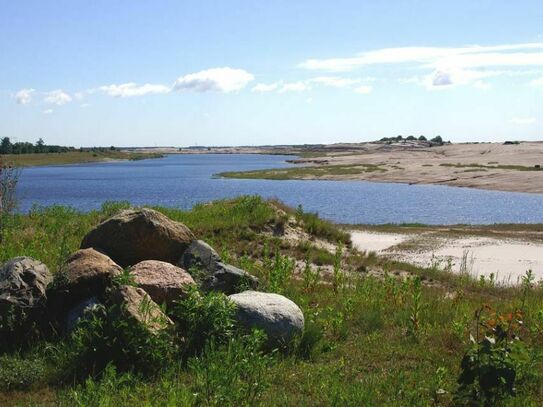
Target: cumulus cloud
523, 120
214, 80
131, 89
57, 97
47, 111
24, 96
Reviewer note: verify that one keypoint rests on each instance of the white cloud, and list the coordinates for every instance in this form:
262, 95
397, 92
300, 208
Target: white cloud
266, 87
468, 56
24, 96
523, 120
336, 81
47, 111
448, 66
132, 89
537, 82
214, 80
57, 97
79, 95
363, 89
299, 86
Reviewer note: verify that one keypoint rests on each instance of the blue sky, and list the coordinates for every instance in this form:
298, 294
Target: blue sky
142, 73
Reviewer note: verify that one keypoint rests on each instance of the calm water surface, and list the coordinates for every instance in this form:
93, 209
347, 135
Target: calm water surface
184, 180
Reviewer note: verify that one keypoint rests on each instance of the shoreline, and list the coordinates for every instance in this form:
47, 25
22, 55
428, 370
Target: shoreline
502, 167
503, 257
71, 158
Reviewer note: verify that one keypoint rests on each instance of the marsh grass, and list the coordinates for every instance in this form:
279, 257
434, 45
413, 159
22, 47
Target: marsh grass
317, 172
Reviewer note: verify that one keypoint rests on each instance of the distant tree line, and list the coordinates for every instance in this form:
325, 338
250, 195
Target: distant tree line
24, 147
435, 140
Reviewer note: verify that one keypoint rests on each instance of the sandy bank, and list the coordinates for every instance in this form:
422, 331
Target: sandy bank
507, 259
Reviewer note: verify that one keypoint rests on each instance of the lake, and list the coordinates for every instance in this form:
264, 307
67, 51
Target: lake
184, 180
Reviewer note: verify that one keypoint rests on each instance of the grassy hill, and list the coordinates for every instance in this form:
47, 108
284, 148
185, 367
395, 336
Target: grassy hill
378, 332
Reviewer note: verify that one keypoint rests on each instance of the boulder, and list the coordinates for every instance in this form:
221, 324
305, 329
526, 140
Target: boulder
280, 318
134, 235
163, 281
79, 312
23, 282
136, 305
87, 273
200, 255
229, 280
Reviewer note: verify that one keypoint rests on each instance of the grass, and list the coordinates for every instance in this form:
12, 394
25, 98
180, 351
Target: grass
314, 172
496, 167
71, 157
368, 340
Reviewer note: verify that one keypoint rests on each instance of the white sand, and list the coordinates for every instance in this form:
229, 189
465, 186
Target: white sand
506, 259
376, 242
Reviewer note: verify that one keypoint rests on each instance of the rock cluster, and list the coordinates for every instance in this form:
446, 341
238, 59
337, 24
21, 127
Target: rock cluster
135, 261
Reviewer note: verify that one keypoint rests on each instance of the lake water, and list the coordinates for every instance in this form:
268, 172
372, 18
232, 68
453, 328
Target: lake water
184, 180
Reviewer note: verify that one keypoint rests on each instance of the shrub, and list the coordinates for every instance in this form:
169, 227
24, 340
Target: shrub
104, 337
201, 318
490, 367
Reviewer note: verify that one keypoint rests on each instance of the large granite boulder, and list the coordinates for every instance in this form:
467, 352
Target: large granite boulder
134, 235
280, 318
205, 264
136, 305
87, 273
201, 256
229, 280
23, 283
163, 281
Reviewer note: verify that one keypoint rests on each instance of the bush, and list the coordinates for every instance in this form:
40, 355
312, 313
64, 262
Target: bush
104, 338
491, 366
201, 318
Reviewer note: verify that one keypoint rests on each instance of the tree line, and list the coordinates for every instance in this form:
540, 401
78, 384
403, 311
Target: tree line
435, 140
24, 147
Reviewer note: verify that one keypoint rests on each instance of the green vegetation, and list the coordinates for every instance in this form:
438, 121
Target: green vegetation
322, 171
495, 167
22, 147
370, 338
72, 157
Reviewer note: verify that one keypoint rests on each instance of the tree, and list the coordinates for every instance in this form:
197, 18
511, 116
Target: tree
5, 146
437, 140
422, 138
40, 146
411, 138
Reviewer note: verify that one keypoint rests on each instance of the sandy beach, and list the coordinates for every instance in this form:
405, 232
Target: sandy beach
507, 259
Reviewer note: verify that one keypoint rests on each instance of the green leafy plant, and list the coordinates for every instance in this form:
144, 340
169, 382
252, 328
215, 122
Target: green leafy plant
496, 355
200, 318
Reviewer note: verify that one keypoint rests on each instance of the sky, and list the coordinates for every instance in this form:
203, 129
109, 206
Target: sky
180, 73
